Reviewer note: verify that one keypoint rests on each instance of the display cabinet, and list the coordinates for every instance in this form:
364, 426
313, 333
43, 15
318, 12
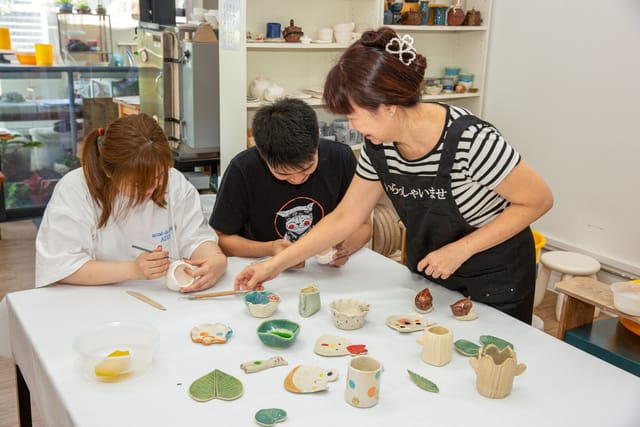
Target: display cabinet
85, 39
44, 113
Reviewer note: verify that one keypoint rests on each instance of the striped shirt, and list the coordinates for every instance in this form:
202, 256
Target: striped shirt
482, 161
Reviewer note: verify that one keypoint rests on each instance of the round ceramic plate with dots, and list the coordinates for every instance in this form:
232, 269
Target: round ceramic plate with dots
406, 322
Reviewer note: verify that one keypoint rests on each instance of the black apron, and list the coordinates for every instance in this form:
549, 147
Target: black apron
502, 276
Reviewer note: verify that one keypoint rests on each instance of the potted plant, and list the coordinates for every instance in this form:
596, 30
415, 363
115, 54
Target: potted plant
38, 188
100, 9
64, 6
82, 7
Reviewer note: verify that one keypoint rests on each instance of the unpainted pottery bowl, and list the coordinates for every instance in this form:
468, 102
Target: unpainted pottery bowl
278, 333
115, 351
349, 314
261, 303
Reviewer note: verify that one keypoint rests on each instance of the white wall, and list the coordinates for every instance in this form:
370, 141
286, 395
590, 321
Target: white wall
563, 85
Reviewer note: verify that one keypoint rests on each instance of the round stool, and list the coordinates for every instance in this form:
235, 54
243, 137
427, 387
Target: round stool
568, 264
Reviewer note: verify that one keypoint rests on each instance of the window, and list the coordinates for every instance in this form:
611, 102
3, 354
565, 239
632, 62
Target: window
27, 23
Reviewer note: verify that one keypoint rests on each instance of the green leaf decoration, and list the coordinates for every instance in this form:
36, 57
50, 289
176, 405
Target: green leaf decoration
270, 416
216, 385
498, 342
423, 383
466, 348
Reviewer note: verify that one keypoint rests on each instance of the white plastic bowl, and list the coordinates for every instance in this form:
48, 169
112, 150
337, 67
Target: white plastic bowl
96, 344
626, 297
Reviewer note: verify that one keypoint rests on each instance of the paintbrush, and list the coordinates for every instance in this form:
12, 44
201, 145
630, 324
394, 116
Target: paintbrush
149, 250
214, 294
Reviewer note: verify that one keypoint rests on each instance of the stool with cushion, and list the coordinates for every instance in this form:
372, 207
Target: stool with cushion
568, 264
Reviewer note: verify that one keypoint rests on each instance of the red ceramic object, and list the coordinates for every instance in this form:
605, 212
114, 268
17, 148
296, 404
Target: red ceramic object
455, 16
461, 307
424, 300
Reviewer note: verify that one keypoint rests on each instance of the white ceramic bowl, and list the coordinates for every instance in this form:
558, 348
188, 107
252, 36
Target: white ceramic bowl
626, 297
342, 37
116, 351
348, 314
433, 89
344, 27
326, 256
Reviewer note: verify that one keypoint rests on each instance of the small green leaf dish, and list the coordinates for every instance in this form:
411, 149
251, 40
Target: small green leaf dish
270, 416
216, 385
466, 348
423, 383
498, 342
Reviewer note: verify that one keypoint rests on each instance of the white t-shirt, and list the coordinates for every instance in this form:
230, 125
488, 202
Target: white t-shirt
68, 236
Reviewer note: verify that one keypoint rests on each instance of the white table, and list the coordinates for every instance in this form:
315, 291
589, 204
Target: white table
561, 386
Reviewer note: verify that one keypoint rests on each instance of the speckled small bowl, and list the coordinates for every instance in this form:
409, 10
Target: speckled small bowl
278, 333
261, 303
348, 314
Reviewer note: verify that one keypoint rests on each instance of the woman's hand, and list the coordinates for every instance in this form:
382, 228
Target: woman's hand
254, 275
151, 265
443, 262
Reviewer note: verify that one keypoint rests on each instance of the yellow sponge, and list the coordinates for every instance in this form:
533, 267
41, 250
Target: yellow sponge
116, 363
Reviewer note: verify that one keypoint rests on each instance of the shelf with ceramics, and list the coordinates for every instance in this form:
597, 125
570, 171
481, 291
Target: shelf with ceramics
295, 46
317, 102
437, 28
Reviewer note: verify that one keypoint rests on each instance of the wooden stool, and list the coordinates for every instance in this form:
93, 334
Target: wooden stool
569, 265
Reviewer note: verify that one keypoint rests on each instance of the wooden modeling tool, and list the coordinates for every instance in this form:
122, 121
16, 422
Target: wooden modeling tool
146, 299
215, 294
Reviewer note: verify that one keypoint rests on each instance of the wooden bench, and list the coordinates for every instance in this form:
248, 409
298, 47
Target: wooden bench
584, 294
606, 339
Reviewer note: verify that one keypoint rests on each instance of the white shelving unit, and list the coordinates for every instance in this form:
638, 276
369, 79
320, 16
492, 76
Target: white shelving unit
297, 66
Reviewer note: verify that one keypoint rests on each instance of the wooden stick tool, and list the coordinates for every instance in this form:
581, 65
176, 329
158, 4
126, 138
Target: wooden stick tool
146, 299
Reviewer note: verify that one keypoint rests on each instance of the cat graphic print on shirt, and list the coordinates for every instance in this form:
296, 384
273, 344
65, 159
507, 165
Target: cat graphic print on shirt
297, 217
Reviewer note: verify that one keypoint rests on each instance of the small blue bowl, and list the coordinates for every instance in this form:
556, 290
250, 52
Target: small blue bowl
395, 7
278, 333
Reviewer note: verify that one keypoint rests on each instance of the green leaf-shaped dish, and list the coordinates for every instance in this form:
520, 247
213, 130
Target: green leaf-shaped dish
422, 382
466, 348
270, 416
216, 385
498, 342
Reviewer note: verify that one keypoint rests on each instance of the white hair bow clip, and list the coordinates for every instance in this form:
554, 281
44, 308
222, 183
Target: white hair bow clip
404, 45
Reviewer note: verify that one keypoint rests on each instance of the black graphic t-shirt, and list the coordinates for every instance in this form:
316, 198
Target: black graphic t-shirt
252, 203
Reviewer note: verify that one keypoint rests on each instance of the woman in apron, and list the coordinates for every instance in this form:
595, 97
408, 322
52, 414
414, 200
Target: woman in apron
464, 194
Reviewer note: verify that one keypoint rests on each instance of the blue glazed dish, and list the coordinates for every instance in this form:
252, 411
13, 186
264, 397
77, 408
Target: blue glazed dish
278, 333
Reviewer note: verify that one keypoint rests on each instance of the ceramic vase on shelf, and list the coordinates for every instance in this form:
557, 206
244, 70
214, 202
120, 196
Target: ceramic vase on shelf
439, 15
424, 7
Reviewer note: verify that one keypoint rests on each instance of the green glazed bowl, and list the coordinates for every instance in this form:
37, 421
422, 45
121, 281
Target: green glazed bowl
278, 333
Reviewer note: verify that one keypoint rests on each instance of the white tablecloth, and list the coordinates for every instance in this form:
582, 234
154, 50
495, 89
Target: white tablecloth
561, 386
